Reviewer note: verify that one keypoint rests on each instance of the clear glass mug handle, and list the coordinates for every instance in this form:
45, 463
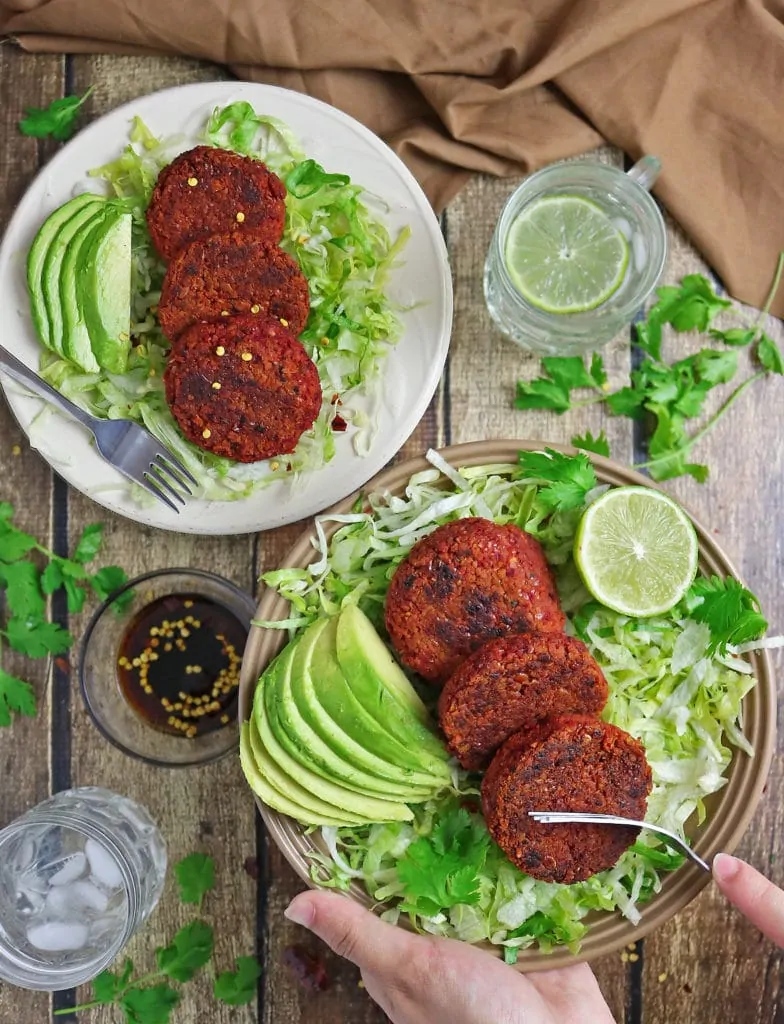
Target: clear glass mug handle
645, 172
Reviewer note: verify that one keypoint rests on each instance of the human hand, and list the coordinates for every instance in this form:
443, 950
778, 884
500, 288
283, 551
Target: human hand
419, 979
755, 897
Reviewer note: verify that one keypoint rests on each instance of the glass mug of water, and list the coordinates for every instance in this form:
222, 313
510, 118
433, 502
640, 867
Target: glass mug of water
577, 250
79, 874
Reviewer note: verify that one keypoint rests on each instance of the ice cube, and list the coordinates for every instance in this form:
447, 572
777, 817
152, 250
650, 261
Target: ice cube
640, 249
73, 868
103, 866
57, 936
88, 895
59, 901
621, 224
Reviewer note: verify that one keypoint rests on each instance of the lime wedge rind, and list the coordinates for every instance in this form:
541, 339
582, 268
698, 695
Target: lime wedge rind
637, 551
564, 255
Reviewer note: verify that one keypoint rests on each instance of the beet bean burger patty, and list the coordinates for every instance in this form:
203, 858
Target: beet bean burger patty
207, 191
568, 763
511, 683
229, 274
462, 585
244, 388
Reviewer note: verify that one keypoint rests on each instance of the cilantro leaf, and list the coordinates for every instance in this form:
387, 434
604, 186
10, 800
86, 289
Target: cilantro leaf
597, 373
728, 609
195, 877
15, 695
109, 579
76, 596
568, 477
151, 1005
23, 589
107, 986
37, 638
692, 306
769, 355
599, 445
714, 366
737, 336
238, 987
190, 949
58, 120
567, 371
89, 543
52, 578
442, 870
14, 544
542, 394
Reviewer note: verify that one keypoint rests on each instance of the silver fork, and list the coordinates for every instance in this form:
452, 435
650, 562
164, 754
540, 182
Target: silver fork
568, 817
127, 446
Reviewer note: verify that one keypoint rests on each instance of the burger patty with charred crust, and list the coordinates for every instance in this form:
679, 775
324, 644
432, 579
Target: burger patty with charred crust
462, 585
511, 683
207, 191
569, 763
244, 388
229, 274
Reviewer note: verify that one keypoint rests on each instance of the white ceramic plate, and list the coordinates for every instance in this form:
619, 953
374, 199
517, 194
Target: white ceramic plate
412, 369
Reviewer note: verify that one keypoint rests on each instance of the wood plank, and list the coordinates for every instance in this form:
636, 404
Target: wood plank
24, 748
483, 369
718, 968
207, 809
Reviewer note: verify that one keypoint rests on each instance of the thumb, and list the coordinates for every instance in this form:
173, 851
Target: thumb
350, 930
755, 897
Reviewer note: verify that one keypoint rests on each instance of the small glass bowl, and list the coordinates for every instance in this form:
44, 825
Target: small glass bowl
99, 682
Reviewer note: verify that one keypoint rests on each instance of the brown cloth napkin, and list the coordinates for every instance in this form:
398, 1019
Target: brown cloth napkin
505, 86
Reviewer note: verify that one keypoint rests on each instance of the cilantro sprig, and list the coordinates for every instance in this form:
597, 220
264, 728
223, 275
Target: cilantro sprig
442, 869
26, 586
566, 478
669, 394
729, 610
150, 998
58, 120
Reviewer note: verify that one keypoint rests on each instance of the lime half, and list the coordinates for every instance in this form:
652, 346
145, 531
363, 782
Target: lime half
564, 255
637, 551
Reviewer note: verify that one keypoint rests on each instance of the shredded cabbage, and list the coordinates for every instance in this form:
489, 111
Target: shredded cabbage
684, 705
335, 231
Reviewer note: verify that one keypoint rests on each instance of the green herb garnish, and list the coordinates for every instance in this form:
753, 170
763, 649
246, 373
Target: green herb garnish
26, 586
58, 120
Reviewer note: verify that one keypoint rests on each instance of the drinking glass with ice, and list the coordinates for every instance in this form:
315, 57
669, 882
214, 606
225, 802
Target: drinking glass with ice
79, 874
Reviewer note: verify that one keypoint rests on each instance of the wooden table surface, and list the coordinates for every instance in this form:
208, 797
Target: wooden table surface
707, 966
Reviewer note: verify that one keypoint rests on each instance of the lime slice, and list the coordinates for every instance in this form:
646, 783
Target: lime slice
564, 255
636, 550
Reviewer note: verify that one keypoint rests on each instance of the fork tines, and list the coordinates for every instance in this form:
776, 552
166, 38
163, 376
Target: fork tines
166, 478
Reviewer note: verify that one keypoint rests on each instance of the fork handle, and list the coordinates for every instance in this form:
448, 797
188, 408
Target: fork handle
24, 375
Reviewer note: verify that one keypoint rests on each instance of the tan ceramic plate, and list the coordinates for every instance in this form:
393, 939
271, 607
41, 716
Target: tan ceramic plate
729, 811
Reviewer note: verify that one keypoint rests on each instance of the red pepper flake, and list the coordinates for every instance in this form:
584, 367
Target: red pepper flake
251, 866
339, 423
309, 969
63, 664
289, 467
335, 399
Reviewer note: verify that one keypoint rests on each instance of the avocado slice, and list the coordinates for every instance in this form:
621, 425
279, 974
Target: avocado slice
76, 337
36, 258
325, 683
303, 743
317, 809
364, 809
103, 279
380, 685
270, 795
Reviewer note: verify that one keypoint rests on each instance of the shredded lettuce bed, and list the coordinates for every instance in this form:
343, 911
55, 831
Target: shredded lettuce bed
684, 705
335, 231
